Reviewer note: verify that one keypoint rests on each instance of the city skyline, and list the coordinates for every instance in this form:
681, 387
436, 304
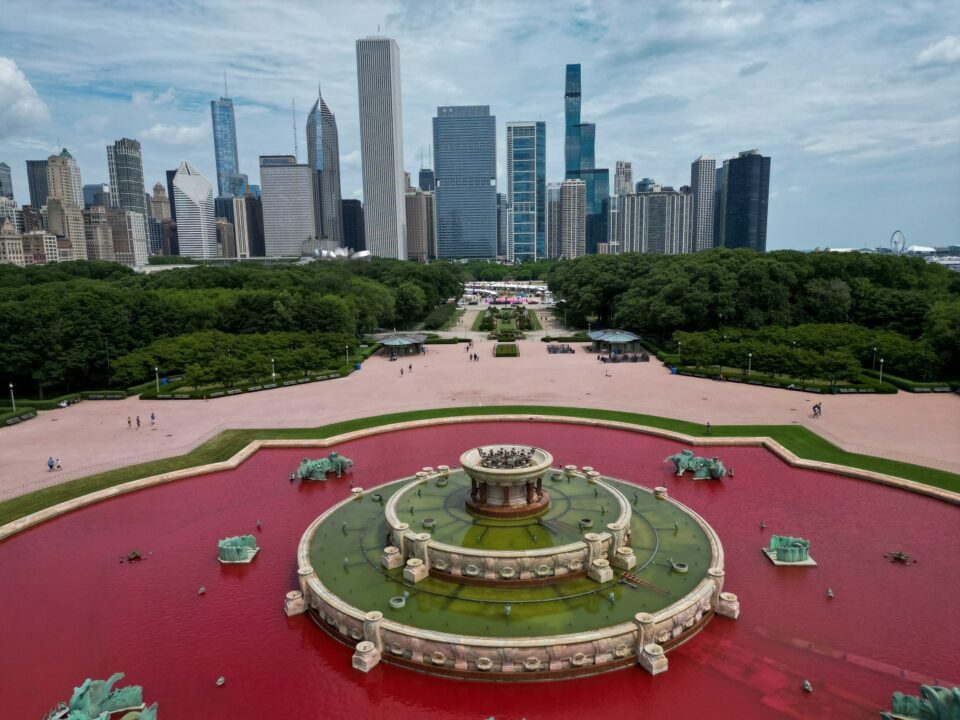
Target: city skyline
838, 136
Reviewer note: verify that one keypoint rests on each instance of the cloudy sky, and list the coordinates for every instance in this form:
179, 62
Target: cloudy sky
856, 101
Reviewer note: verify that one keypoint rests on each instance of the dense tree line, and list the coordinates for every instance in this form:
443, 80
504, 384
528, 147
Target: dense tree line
63, 326
656, 295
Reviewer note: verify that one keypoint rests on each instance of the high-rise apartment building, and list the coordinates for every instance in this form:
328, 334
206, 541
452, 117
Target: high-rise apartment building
421, 225
9, 210
98, 194
159, 203
241, 227
623, 178
381, 146
33, 219
658, 221
63, 179
573, 218
66, 221
353, 228
426, 181
465, 164
98, 234
503, 225
6, 181
323, 156
126, 175
196, 232
129, 237
703, 188
744, 197
40, 248
527, 190
37, 182
11, 244
230, 181
553, 220
571, 101
254, 205
289, 221
226, 238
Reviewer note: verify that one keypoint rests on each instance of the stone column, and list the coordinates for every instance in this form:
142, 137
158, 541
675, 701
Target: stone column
594, 546
619, 533
506, 495
483, 493
645, 630
399, 539
717, 575
539, 488
530, 493
305, 572
371, 628
420, 549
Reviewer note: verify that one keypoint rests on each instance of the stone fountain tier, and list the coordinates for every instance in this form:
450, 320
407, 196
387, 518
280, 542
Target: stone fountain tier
507, 480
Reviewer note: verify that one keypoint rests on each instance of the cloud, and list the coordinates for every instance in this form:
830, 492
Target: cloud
176, 134
145, 100
20, 106
752, 68
943, 52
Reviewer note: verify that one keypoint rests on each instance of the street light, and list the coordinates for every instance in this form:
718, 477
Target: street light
12, 401
749, 362
881, 371
873, 365
273, 370
347, 350
156, 374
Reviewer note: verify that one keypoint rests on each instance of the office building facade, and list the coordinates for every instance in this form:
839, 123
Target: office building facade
196, 231
230, 181
160, 203
63, 179
623, 178
744, 197
353, 228
465, 167
573, 218
126, 175
553, 220
98, 194
659, 221
426, 180
98, 234
703, 173
289, 220
129, 234
6, 181
37, 182
381, 147
323, 156
66, 221
503, 225
527, 190
571, 113
11, 244
421, 225
40, 248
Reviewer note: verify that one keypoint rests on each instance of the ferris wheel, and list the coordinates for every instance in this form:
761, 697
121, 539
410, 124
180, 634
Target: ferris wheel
898, 241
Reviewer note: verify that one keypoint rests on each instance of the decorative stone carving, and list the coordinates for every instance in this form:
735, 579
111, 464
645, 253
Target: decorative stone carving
415, 571
294, 604
484, 664
728, 606
600, 570
653, 659
366, 656
624, 558
391, 557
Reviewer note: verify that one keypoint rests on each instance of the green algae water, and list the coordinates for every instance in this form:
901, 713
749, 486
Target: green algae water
345, 552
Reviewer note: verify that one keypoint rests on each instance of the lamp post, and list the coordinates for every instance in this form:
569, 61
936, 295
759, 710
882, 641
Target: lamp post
156, 374
273, 370
749, 362
881, 371
12, 401
679, 349
873, 365
346, 349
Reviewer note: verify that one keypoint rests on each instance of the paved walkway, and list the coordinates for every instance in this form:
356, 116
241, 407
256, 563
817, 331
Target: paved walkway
93, 436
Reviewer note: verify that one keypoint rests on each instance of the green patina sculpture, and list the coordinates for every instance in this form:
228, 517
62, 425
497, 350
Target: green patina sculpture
790, 549
97, 700
934, 703
318, 469
702, 468
237, 549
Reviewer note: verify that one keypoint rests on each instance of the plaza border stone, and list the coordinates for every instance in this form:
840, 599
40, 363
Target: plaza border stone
48, 513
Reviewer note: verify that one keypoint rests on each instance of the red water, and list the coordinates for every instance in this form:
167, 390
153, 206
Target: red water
69, 609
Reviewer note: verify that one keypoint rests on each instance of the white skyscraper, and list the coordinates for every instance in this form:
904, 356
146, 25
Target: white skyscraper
573, 218
703, 188
193, 198
289, 219
381, 147
623, 179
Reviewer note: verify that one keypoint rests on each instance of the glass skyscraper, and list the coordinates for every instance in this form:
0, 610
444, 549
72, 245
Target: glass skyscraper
527, 190
744, 196
571, 102
465, 163
230, 181
323, 156
6, 181
37, 182
126, 176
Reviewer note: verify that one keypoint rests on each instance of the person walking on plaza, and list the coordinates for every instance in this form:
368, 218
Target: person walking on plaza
129, 423
58, 465
153, 420
138, 422
401, 372
50, 464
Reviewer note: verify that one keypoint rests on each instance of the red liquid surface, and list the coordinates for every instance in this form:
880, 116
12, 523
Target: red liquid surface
70, 610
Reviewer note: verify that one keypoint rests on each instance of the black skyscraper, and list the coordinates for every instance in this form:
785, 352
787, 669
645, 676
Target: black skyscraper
426, 181
745, 194
37, 182
353, 233
173, 205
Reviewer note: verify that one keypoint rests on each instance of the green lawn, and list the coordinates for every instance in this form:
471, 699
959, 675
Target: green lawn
797, 439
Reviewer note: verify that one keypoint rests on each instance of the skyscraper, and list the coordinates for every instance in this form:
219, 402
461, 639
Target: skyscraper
323, 156
6, 181
465, 163
159, 204
230, 181
573, 216
129, 237
98, 194
703, 187
421, 225
426, 180
353, 230
743, 201
527, 190
381, 146
553, 220
37, 182
623, 178
196, 232
571, 101
126, 175
98, 234
289, 222
656, 221
11, 244
503, 225
63, 179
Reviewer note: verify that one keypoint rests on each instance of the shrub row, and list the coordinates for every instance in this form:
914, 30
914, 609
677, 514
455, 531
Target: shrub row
912, 385
579, 337
12, 418
863, 384
440, 316
53, 403
506, 350
445, 340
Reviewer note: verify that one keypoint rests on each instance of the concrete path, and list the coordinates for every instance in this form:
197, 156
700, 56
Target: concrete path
93, 436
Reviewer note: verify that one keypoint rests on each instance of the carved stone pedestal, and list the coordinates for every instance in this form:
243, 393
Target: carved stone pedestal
391, 557
366, 657
600, 571
415, 571
653, 659
624, 558
728, 606
294, 604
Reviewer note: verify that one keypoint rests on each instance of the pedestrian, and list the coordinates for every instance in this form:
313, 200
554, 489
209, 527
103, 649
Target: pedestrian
153, 420
129, 423
411, 367
58, 465
138, 422
401, 372
709, 429
50, 464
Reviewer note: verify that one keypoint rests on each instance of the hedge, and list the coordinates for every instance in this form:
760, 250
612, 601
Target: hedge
579, 338
445, 340
814, 385
912, 385
506, 350
54, 403
12, 418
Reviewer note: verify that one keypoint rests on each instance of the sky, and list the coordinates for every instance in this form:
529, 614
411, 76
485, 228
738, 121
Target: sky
856, 101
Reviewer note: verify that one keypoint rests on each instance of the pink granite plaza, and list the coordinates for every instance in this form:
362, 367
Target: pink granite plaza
93, 436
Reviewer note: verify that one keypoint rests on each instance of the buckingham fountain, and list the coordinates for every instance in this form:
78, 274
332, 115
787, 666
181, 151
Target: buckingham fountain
509, 568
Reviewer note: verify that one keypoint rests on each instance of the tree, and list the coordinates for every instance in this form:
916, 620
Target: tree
410, 303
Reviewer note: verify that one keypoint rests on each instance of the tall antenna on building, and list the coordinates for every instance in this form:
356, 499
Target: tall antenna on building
296, 150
